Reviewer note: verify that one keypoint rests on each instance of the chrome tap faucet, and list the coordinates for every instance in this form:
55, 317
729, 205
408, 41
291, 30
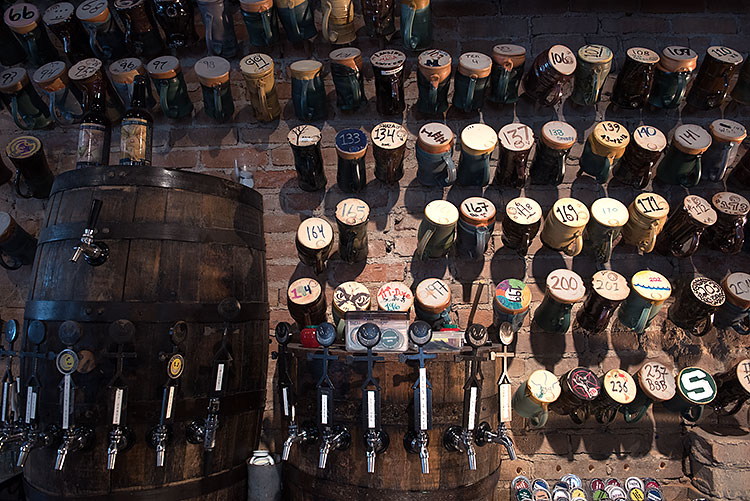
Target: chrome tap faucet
306, 434
36, 439
484, 435
94, 253
75, 439
334, 438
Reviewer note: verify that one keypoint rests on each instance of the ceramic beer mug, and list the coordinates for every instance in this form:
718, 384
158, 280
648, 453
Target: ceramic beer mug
106, 39
564, 226
26, 108
314, 242
532, 399
728, 233
395, 296
88, 73
682, 232
346, 72
379, 18
682, 163
672, 74
221, 39
61, 20
416, 24
523, 218
605, 146
478, 141
733, 389
471, 81
388, 148
123, 73
726, 137
12, 53
549, 73
388, 69
437, 232
695, 389
712, 82
648, 291
508, 63
434, 152
308, 90
352, 215
695, 304
593, 65
257, 70
306, 302
741, 90
735, 312
608, 216
213, 74
608, 290
64, 106
511, 305
141, 33
176, 18
578, 387
338, 21
349, 296
475, 226
351, 147
166, 75
261, 22
634, 81
548, 166
17, 247
24, 20
618, 389
308, 159
296, 17
516, 140
654, 383
26, 153
433, 81
433, 302
564, 288
641, 154
647, 215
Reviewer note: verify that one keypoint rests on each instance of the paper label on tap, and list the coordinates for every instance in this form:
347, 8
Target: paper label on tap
472, 407
5, 402
219, 377
423, 398
30, 404
66, 402
117, 412
505, 406
285, 400
170, 401
370, 409
324, 409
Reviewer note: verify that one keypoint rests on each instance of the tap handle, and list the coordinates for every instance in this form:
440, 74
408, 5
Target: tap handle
283, 333
325, 334
96, 207
476, 336
369, 335
420, 333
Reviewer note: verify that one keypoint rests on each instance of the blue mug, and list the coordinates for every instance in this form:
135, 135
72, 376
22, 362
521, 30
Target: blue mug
471, 81
648, 291
221, 39
507, 69
296, 17
735, 312
682, 164
308, 90
434, 152
726, 137
478, 141
261, 21
475, 226
416, 24
672, 74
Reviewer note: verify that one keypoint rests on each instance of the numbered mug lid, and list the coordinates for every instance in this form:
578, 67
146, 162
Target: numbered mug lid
508, 55
52, 76
304, 135
352, 211
435, 138
13, 80
691, 139
84, 69
389, 135
620, 386
256, 5
609, 139
304, 291
595, 54
212, 70
731, 204
433, 295
512, 296
390, 60
742, 371
93, 11
725, 54
727, 131
351, 144
256, 65
565, 286
651, 286
651, 205
351, 296
478, 139
609, 212
315, 233
347, 56
441, 212
523, 211
543, 387
696, 385
23, 147
22, 17
125, 70
656, 381
610, 285
571, 212
583, 383
649, 138
707, 291
562, 59
58, 13
516, 137
643, 55
677, 58
559, 135
395, 296
477, 211
737, 289
699, 209
164, 67
474, 65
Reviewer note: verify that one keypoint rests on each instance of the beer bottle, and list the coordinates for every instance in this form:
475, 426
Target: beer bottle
137, 128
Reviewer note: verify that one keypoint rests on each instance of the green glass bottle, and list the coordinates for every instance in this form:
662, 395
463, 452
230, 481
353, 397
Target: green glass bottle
136, 131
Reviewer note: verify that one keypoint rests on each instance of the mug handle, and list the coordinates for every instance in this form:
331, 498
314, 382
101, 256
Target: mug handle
677, 250
267, 25
501, 88
94, 42
692, 180
217, 102
539, 420
608, 166
606, 416
163, 87
692, 413
470, 94
647, 246
357, 177
17, 185
354, 82
128, 29
707, 326
732, 411
293, 17
607, 254
330, 36
307, 115
394, 88
603, 320
560, 169
19, 119
261, 97
575, 246
682, 81
634, 418
320, 263
743, 326
482, 235
525, 243
554, 95
579, 414
8, 267
434, 83
209, 33
422, 244
410, 41
640, 327
450, 168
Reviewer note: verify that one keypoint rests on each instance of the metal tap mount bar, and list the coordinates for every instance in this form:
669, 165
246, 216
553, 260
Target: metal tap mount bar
94, 253
12, 429
121, 438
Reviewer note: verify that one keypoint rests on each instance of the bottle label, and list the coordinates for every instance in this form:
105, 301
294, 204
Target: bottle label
92, 142
135, 141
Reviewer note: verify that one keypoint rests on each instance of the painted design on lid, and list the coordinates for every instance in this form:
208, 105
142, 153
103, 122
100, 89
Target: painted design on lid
636, 494
650, 138
58, 12
345, 54
562, 59
541, 495
696, 385
653, 495
513, 294
707, 291
91, 9
656, 381
351, 296
315, 233
352, 211
516, 137
651, 285
583, 383
571, 212
699, 209
543, 386
478, 208
478, 138
441, 212
594, 53
559, 133
395, 296
351, 141
523, 210
652, 205
12, 77
256, 64
611, 134
23, 147
743, 374
435, 134
610, 285
725, 54
434, 58
565, 286
85, 69
643, 55
620, 386
49, 72
162, 65
304, 291
433, 294
609, 212
728, 130
652, 484
389, 135
388, 59
597, 484
304, 135
21, 15
737, 289
692, 138
521, 482
634, 483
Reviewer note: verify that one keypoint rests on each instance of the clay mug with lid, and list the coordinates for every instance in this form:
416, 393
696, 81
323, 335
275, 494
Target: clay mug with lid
672, 74
478, 141
682, 163
64, 104
578, 387
388, 149
395, 296
695, 389
728, 233
213, 74
556, 140
349, 296
261, 21
532, 399
434, 152
648, 291
297, 18
563, 289
647, 216
475, 226
608, 216
123, 72
592, 68
549, 73
166, 74
511, 304
432, 302
564, 226
437, 232
346, 73
523, 218
604, 147
682, 232
641, 154
338, 21
352, 215
24, 21
735, 312
711, 85
416, 24
471, 81
618, 389
258, 72
694, 307
654, 383
26, 108
308, 90
314, 242
351, 172
608, 290
726, 137
634, 81
733, 389
433, 81
508, 63
516, 141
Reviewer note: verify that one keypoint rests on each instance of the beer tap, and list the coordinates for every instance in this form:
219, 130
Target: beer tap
375, 437
121, 438
34, 438
161, 434
75, 438
12, 429
308, 432
417, 439
94, 253
205, 431
334, 437
460, 438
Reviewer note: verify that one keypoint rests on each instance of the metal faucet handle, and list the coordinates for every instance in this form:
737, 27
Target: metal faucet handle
424, 456
96, 208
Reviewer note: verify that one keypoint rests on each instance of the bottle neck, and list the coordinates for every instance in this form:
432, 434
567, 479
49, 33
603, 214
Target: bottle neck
139, 92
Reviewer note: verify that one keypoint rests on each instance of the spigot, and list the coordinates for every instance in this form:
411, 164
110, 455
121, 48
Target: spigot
12, 433
458, 439
306, 434
417, 443
36, 439
335, 438
376, 442
74, 439
120, 440
158, 438
94, 253
484, 435
205, 431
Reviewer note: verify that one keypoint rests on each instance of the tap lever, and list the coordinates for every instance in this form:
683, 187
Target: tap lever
326, 335
96, 208
9, 410
120, 436
283, 334
484, 435
94, 253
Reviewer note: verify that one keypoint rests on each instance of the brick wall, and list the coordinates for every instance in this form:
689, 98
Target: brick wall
653, 447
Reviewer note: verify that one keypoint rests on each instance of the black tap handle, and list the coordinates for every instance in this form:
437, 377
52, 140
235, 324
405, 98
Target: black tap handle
96, 207
283, 333
368, 335
476, 336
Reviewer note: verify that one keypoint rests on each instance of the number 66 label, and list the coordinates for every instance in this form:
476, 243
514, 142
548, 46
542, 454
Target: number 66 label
697, 385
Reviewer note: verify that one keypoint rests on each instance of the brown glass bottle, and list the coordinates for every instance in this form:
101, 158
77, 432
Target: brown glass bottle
137, 128
94, 131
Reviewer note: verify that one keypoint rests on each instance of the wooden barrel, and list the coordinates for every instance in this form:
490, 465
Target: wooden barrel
398, 474
179, 243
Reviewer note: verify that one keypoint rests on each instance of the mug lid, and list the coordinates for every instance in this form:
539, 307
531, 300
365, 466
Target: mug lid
93, 11
559, 135
50, 73
84, 69
699, 209
620, 386
595, 53
730, 203
212, 70
477, 211
610, 212
22, 17
562, 59
649, 138
725, 54
474, 64
351, 296
743, 374
678, 58
651, 205
516, 137
256, 5
304, 291
696, 393
389, 135
583, 383
656, 381
609, 137
512, 296
315, 233
433, 295
57, 13
13, 79
565, 286
707, 291
388, 59
435, 137
351, 143
395, 296
651, 285
352, 211
127, 4
6, 221
505, 52
305, 69
256, 64
571, 212
441, 212
435, 58
22, 147
478, 139
543, 386
643, 55
523, 211
125, 70
164, 67
691, 139
610, 285
304, 135
737, 289
727, 131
